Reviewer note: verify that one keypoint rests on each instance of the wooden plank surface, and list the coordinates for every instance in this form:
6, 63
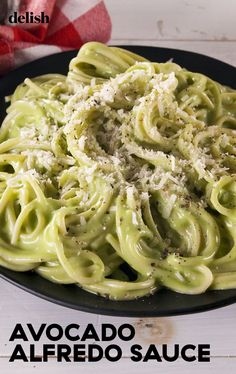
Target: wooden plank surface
217, 365
202, 26
125, 367
212, 20
216, 328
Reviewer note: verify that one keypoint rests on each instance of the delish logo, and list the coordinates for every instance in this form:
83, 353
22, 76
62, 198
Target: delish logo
28, 17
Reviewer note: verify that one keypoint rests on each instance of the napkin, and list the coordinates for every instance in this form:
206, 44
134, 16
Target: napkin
71, 23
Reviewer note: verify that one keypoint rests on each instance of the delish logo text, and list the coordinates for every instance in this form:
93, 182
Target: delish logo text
28, 17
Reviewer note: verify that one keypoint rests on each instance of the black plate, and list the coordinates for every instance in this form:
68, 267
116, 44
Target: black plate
164, 302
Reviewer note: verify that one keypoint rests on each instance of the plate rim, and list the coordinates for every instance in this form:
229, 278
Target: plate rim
122, 313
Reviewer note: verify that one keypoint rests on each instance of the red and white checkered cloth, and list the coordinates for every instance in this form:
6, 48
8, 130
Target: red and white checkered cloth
72, 23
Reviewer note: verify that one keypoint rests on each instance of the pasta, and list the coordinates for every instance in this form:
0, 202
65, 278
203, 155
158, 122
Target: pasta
120, 177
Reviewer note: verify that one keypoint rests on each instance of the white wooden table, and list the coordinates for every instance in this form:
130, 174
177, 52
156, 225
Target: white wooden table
197, 25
